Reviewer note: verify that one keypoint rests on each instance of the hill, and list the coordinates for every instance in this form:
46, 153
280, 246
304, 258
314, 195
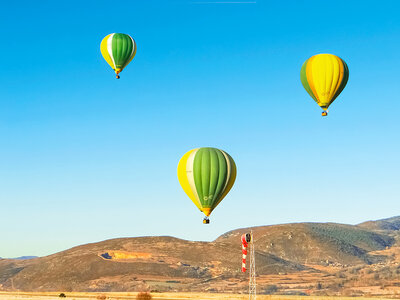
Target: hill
122, 261
316, 243
300, 252
21, 257
390, 224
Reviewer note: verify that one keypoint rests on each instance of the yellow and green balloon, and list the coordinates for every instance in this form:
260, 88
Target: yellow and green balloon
206, 175
118, 49
324, 77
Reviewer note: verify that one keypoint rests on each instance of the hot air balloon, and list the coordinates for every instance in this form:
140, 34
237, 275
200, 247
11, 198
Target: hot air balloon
206, 175
324, 77
118, 50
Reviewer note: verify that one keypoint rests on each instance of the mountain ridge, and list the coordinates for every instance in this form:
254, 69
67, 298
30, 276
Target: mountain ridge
21, 257
166, 263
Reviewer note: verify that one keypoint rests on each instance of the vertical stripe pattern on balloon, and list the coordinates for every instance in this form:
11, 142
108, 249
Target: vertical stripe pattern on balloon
118, 50
324, 77
206, 175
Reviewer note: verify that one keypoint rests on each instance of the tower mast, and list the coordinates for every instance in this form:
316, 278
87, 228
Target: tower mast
252, 279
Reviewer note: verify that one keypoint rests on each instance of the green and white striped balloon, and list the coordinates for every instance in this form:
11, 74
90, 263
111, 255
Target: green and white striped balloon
206, 175
118, 50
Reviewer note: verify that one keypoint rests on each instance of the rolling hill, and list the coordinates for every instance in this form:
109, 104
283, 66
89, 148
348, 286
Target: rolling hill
170, 264
389, 224
316, 243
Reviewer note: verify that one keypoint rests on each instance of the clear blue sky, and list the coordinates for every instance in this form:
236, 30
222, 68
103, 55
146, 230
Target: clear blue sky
85, 157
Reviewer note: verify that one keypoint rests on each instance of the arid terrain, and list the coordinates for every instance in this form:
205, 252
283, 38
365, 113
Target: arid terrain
318, 259
162, 296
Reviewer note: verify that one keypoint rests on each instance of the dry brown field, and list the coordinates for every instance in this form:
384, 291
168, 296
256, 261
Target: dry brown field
165, 296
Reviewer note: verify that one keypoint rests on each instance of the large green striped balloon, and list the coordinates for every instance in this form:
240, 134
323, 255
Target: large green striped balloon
206, 175
118, 50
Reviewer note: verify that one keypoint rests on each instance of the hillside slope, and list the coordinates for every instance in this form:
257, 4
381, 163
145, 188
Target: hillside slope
157, 257
316, 243
390, 224
171, 264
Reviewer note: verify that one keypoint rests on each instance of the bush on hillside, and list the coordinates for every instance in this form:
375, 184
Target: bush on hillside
143, 296
270, 289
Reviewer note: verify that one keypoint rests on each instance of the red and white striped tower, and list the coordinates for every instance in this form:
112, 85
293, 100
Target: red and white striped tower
244, 252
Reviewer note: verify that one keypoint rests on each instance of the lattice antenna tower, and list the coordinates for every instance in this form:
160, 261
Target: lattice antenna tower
252, 280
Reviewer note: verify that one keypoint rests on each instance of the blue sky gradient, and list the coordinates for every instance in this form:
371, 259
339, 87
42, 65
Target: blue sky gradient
85, 157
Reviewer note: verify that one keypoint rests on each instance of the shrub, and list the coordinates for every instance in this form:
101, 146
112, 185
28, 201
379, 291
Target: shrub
270, 289
341, 275
101, 297
143, 296
62, 295
295, 293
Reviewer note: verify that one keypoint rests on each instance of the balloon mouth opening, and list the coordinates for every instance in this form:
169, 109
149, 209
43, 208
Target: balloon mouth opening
207, 211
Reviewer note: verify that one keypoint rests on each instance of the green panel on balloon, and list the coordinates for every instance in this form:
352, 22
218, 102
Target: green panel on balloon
210, 175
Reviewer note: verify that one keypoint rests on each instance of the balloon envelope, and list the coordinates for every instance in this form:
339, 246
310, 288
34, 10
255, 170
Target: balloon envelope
206, 175
324, 76
118, 50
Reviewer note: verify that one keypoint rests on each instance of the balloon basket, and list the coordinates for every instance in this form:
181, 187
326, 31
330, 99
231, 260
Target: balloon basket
206, 220
324, 113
